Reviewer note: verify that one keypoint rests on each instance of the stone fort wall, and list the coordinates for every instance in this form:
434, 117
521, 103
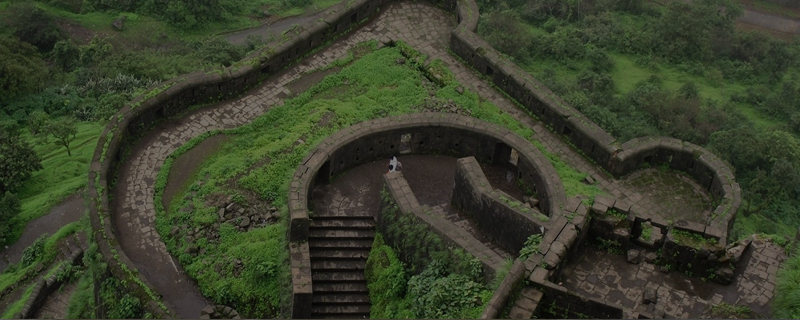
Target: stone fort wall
177, 95
449, 134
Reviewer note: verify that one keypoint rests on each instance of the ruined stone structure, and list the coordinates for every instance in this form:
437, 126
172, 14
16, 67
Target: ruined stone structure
569, 219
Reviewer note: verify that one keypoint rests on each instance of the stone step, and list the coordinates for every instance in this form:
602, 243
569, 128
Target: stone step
340, 298
341, 316
335, 243
348, 213
338, 264
337, 310
340, 253
337, 276
340, 287
342, 234
337, 223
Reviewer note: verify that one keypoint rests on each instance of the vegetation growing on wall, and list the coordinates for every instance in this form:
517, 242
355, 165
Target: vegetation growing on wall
629, 67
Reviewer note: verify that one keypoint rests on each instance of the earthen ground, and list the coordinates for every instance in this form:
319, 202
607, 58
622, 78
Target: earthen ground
68, 211
421, 26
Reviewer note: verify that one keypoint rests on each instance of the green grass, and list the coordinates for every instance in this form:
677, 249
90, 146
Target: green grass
61, 177
81, 302
315, 6
17, 305
47, 255
373, 86
786, 304
14, 274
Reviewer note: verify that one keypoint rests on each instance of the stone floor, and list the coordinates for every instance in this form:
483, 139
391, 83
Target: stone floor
422, 26
672, 195
599, 274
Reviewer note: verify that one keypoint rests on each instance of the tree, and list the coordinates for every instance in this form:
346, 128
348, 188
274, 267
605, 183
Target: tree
64, 130
17, 160
9, 208
22, 69
37, 121
33, 25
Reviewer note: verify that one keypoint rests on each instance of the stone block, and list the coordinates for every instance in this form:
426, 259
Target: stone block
690, 226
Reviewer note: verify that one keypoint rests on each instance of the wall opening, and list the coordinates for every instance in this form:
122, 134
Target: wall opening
489, 71
648, 159
405, 143
324, 174
354, 18
502, 154
566, 131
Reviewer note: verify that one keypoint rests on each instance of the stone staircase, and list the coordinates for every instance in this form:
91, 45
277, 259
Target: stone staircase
339, 247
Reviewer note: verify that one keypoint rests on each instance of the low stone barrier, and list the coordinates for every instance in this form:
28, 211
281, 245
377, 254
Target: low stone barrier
46, 287
506, 221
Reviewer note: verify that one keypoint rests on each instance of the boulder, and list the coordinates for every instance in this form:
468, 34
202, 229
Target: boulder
191, 249
119, 23
245, 222
207, 310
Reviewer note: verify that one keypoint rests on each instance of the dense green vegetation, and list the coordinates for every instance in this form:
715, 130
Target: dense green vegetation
261, 157
681, 70
435, 293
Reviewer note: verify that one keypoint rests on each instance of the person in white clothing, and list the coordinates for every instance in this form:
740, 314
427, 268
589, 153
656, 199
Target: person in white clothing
394, 164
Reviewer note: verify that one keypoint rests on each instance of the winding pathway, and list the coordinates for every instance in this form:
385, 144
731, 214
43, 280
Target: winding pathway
420, 25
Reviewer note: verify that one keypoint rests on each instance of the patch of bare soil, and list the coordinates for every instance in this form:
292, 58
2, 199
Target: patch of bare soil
81, 35
70, 210
186, 165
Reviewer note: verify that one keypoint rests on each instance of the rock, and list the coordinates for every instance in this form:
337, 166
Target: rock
651, 257
191, 249
119, 23
240, 211
589, 179
229, 207
724, 275
174, 231
401, 61
460, 90
634, 256
533, 202
228, 216
207, 310
712, 258
276, 215
272, 209
649, 296
221, 213
664, 269
245, 222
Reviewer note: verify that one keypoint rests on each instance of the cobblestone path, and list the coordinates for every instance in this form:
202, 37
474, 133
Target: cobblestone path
422, 26
599, 274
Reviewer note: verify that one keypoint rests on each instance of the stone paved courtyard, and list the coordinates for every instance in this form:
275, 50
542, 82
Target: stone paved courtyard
672, 195
599, 274
421, 26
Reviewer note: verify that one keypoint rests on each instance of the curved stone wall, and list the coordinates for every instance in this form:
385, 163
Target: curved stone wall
450, 134
177, 95
588, 137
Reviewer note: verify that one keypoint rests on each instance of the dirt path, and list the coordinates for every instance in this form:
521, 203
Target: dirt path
68, 211
274, 29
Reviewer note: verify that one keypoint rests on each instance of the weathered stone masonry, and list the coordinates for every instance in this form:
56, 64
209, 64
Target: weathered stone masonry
448, 134
177, 95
